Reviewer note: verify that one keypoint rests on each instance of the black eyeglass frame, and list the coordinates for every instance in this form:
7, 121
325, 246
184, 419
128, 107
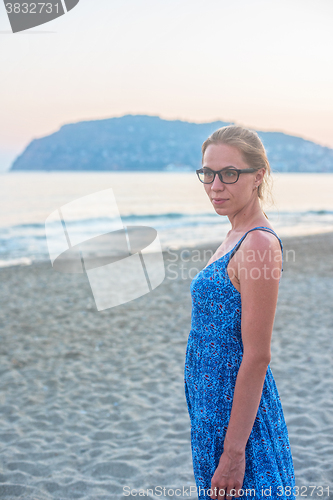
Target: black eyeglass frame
218, 172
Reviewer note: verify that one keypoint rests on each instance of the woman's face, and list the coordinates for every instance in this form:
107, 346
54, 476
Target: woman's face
234, 197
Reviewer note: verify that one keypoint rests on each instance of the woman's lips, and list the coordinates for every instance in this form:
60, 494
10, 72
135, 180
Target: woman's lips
218, 201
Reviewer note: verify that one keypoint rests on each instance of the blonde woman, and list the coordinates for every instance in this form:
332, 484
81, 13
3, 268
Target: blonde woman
239, 438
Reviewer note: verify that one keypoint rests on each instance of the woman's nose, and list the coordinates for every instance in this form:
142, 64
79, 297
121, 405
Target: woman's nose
217, 185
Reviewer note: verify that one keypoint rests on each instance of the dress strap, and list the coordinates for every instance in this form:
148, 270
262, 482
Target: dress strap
261, 228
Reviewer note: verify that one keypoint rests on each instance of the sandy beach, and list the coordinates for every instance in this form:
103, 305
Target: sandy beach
92, 404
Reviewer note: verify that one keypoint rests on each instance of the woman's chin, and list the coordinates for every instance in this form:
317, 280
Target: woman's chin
220, 210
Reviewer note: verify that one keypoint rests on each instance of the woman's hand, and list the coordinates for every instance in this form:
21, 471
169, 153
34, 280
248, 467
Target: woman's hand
229, 475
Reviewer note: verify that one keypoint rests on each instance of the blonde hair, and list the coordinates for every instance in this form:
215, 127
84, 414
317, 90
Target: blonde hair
252, 150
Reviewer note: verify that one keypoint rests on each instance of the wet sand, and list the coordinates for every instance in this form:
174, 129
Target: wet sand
92, 402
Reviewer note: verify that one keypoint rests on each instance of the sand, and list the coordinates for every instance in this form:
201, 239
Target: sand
93, 402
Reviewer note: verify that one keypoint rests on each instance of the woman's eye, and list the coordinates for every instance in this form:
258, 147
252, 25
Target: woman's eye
230, 173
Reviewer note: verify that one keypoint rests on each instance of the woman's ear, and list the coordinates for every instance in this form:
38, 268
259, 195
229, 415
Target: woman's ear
259, 177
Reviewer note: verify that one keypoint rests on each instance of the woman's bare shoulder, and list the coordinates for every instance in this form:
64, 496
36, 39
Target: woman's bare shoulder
259, 246
261, 237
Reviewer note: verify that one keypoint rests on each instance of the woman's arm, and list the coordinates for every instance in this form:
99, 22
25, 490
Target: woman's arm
257, 265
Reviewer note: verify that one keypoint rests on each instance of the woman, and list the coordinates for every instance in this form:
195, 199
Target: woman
239, 439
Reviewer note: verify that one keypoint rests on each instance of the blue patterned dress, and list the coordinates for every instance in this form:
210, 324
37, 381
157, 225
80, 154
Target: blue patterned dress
213, 357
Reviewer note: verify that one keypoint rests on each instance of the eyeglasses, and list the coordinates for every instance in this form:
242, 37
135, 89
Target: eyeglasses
227, 175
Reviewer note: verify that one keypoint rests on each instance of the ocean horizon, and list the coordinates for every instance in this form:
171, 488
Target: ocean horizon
174, 204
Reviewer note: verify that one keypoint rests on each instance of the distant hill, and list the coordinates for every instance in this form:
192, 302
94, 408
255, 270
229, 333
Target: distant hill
140, 142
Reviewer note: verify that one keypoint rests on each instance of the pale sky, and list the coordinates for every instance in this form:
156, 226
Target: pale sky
265, 64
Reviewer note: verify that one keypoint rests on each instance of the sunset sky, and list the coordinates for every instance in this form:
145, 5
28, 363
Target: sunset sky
265, 64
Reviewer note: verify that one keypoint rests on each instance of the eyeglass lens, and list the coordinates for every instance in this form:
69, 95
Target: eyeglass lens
229, 176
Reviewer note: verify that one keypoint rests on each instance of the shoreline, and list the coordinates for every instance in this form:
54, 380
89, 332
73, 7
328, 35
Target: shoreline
93, 401
209, 247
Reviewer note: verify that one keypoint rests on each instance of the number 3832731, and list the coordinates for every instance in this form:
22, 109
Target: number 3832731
303, 491
31, 8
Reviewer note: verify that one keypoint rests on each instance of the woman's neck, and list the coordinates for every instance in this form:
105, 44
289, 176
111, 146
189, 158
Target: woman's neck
248, 217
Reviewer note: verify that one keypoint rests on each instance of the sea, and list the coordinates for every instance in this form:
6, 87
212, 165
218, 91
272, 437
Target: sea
175, 204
